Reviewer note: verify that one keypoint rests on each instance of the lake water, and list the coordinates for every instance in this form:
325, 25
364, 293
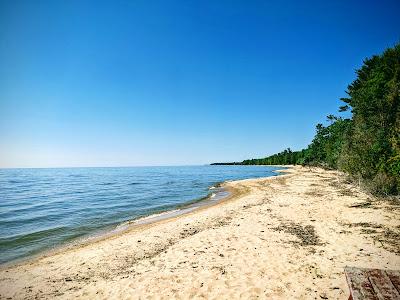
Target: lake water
44, 208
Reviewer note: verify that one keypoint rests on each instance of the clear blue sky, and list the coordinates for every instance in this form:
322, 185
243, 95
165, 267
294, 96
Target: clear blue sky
120, 83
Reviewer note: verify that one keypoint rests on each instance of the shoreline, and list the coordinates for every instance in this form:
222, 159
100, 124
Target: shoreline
280, 237
182, 209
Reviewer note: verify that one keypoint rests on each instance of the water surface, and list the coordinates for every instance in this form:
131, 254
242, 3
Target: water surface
44, 208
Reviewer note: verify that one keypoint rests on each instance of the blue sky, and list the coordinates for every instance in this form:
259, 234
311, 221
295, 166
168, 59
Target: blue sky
124, 83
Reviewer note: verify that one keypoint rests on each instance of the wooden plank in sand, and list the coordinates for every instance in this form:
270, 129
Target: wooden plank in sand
373, 284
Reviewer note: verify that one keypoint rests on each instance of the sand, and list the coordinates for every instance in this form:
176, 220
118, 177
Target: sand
286, 237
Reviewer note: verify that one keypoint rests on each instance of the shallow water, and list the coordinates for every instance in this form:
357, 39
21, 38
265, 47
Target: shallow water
44, 208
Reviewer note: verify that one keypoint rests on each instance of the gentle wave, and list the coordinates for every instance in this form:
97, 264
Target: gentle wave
43, 208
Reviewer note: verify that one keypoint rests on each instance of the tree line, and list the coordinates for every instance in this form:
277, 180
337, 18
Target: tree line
365, 145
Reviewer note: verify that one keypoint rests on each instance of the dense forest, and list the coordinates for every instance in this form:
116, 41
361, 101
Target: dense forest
367, 144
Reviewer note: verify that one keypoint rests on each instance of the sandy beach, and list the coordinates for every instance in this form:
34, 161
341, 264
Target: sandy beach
285, 237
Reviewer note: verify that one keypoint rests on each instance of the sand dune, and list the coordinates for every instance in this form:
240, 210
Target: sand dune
287, 237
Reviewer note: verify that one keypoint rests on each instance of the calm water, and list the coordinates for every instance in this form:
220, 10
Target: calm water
43, 208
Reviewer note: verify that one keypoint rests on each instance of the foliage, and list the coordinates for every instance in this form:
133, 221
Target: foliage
367, 145
286, 157
372, 150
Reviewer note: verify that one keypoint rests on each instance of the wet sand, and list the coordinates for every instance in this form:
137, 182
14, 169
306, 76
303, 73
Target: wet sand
286, 237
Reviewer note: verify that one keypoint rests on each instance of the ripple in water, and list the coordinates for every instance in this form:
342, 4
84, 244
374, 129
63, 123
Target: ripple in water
44, 208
